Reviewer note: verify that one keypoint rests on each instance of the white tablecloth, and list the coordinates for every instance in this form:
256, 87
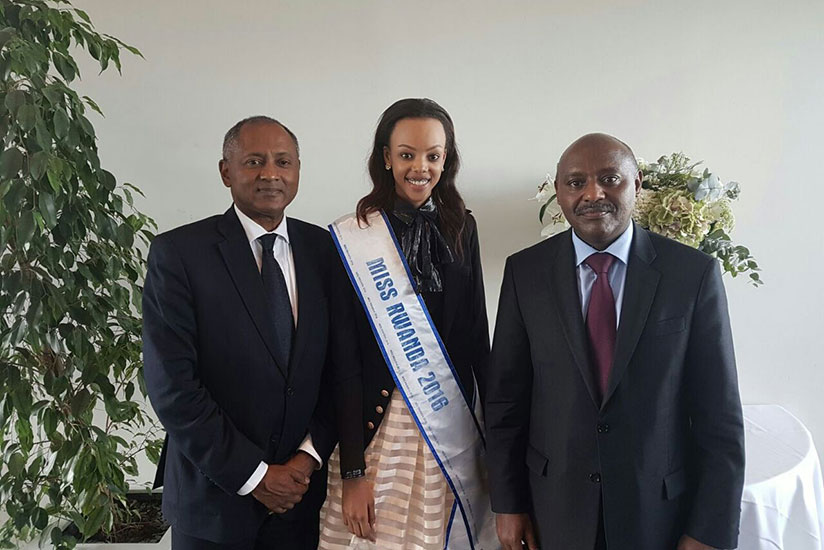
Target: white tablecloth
783, 502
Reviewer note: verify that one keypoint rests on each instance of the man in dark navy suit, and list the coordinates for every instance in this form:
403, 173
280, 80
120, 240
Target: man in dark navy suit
612, 410
242, 337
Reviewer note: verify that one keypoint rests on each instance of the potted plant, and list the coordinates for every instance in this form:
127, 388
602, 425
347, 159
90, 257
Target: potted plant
72, 415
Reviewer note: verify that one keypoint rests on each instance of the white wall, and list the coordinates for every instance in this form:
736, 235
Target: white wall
736, 83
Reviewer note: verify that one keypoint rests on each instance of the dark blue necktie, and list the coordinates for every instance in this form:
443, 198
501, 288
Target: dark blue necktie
277, 297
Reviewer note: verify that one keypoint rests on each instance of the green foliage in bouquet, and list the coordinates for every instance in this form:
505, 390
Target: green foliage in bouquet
680, 201
71, 420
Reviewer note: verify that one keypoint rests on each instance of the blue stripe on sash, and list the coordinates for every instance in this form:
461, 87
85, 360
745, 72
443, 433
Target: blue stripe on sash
449, 525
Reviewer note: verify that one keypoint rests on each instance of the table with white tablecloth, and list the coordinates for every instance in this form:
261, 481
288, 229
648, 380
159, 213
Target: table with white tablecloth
783, 502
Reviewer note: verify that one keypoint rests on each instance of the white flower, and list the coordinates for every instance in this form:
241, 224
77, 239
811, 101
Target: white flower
545, 191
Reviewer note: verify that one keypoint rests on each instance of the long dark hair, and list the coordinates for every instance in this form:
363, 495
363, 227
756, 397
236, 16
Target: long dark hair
451, 208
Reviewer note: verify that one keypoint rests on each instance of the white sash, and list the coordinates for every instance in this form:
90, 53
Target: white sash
422, 370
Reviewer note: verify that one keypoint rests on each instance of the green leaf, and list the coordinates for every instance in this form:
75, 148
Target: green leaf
86, 125
94, 48
14, 100
38, 163
47, 209
125, 235
16, 464
4, 124
95, 520
15, 192
24, 433
54, 171
49, 422
35, 312
107, 180
80, 402
5, 72
6, 35
61, 123
11, 161
54, 94
27, 116
64, 66
132, 49
42, 135
25, 228
83, 15
40, 519
91, 103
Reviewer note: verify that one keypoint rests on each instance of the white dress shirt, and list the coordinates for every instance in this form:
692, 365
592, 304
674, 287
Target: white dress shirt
617, 272
283, 256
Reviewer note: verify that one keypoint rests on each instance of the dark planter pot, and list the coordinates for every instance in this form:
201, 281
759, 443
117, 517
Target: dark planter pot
147, 532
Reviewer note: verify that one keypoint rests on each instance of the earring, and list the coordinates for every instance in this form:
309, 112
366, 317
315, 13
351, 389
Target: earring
388, 166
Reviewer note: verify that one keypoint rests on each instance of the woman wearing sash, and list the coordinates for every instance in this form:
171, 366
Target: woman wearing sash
391, 490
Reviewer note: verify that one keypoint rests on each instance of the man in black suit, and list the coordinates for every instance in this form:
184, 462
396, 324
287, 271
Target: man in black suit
612, 410
241, 324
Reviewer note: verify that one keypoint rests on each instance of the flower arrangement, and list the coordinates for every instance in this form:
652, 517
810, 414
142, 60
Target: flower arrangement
678, 200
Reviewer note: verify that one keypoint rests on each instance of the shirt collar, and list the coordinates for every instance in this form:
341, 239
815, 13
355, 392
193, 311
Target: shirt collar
619, 247
253, 230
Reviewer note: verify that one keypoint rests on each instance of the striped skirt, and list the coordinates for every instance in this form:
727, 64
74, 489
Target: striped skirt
412, 500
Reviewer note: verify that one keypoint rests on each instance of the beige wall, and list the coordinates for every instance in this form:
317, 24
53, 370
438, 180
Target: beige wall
738, 84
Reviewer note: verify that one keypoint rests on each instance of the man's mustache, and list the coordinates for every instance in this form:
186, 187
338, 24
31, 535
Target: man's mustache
601, 206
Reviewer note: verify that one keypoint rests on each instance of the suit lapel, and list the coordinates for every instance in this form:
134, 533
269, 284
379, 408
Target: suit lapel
309, 285
561, 272
639, 292
241, 265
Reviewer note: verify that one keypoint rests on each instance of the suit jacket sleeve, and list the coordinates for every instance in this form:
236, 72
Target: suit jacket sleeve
480, 324
342, 357
508, 391
349, 405
717, 421
193, 420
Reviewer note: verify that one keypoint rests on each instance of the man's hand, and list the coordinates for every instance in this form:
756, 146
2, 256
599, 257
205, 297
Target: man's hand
281, 488
359, 507
515, 531
303, 463
689, 543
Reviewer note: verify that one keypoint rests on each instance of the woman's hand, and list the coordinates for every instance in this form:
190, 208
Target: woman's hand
359, 507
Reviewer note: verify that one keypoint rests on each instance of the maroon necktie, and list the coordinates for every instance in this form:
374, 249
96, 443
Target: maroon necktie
601, 323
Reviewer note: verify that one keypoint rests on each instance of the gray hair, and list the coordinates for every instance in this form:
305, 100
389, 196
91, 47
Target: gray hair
230, 139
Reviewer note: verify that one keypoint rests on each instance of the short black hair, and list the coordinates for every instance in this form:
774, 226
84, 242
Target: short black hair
601, 136
230, 139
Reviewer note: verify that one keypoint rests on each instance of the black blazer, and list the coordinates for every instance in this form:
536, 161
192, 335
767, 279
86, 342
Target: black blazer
212, 377
363, 397
665, 449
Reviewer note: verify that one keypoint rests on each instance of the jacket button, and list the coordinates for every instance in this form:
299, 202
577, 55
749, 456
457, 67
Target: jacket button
370, 425
385, 393
595, 478
379, 409
603, 428
290, 391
